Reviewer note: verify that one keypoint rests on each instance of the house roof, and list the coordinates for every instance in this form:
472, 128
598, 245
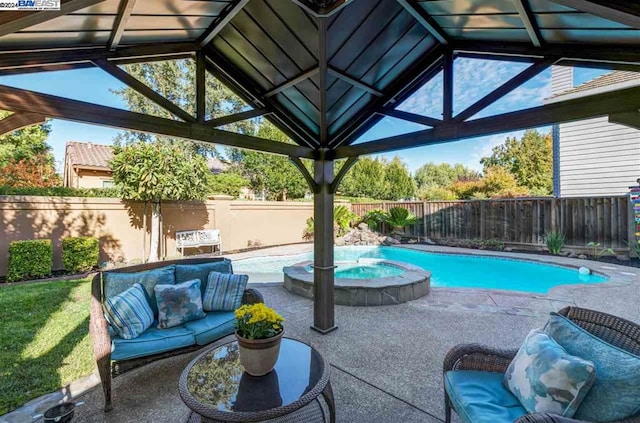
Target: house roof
607, 82
87, 154
216, 165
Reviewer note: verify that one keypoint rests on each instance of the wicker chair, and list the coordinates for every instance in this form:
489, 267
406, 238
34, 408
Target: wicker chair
107, 368
614, 330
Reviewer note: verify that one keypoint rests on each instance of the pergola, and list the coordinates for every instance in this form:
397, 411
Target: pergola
324, 72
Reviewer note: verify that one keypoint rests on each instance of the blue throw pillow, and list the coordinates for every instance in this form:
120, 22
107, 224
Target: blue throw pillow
615, 395
546, 379
187, 272
115, 283
224, 291
178, 304
128, 312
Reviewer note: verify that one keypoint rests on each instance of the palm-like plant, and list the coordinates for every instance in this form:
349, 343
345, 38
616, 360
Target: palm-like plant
399, 217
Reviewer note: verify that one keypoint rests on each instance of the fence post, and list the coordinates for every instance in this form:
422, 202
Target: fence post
482, 218
633, 226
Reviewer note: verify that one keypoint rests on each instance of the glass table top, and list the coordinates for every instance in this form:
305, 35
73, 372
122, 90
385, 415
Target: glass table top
218, 380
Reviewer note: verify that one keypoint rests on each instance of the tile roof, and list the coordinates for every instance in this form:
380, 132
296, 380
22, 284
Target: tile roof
603, 81
89, 154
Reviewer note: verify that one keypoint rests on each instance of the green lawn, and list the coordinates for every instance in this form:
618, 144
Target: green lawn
44, 339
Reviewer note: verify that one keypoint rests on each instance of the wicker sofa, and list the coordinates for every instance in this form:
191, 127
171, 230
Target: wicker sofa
614, 330
115, 356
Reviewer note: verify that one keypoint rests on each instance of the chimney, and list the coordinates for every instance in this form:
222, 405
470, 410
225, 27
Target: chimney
561, 79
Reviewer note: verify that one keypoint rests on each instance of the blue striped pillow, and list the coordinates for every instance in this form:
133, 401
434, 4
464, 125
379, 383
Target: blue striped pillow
224, 291
129, 312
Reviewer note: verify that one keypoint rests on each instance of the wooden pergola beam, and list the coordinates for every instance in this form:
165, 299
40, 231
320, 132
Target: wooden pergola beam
323, 75
447, 86
14, 21
625, 12
504, 89
201, 86
425, 20
293, 81
237, 117
609, 103
19, 120
25, 60
529, 20
353, 81
630, 119
124, 13
218, 24
410, 117
136, 84
601, 56
18, 100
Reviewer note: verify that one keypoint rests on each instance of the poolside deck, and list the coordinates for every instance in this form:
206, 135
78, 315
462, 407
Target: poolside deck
385, 361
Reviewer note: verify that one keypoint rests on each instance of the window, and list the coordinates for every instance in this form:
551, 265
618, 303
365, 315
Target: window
107, 184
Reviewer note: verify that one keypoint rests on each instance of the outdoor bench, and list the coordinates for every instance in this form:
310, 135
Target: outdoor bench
198, 238
115, 355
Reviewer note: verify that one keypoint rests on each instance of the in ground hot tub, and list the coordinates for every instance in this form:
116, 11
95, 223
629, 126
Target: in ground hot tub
366, 282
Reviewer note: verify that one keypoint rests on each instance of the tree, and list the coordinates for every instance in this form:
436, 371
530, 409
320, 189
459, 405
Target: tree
155, 171
529, 160
175, 80
275, 175
399, 183
497, 182
26, 160
229, 183
443, 174
365, 179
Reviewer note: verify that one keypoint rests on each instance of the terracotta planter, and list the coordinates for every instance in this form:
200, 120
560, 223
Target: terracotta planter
259, 356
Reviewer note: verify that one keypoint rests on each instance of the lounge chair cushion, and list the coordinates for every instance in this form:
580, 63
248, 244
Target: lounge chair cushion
615, 395
480, 397
152, 341
214, 326
185, 272
224, 291
128, 313
179, 303
115, 283
546, 379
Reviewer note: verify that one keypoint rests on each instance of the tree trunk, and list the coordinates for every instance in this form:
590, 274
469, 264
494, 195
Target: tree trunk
155, 232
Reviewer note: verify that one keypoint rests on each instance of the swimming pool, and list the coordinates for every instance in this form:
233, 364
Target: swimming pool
356, 270
447, 270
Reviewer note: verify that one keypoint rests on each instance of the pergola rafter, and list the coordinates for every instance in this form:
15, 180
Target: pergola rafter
19, 120
325, 72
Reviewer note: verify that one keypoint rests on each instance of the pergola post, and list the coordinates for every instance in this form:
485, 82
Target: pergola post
323, 277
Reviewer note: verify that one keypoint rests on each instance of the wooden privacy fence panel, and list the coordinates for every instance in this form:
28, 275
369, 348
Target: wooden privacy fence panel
522, 220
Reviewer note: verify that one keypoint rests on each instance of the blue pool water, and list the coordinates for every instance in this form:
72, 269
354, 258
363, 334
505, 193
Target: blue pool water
363, 271
448, 270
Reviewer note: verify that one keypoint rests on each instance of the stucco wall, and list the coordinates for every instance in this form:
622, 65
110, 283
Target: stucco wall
119, 225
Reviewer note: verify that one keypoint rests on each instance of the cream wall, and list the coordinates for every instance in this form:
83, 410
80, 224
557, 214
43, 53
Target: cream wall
118, 225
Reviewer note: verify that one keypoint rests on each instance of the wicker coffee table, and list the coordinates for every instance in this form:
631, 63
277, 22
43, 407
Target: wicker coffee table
216, 388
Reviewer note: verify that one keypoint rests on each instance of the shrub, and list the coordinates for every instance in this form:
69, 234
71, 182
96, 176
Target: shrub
80, 254
59, 191
399, 217
373, 218
343, 218
555, 242
30, 259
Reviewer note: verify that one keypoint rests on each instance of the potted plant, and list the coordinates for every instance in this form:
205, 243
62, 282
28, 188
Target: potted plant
259, 331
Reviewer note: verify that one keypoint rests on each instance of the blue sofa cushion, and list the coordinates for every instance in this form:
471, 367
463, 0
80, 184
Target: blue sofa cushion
214, 326
128, 313
115, 283
178, 304
185, 272
480, 397
546, 379
152, 341
615, 395
224, 291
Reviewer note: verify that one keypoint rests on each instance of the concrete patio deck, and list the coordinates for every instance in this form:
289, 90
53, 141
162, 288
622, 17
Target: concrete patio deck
386, 362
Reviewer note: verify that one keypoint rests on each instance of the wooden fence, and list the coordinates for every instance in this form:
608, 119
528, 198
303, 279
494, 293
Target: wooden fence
522, 220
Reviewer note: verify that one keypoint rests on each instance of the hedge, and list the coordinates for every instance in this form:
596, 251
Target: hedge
80, 254
60, 192
30, 259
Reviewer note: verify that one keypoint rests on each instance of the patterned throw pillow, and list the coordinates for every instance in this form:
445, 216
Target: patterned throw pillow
616, 392
116, 282
187, 272
178, 304
224, 291
129, 313
547, 379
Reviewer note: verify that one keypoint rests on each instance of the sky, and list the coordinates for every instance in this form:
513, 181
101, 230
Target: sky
473, 78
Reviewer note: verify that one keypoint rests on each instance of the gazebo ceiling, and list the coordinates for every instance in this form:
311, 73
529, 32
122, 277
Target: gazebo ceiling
324, 71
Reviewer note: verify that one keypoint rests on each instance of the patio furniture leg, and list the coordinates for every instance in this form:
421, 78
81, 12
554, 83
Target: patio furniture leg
447, 409
327, 393
104, 369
